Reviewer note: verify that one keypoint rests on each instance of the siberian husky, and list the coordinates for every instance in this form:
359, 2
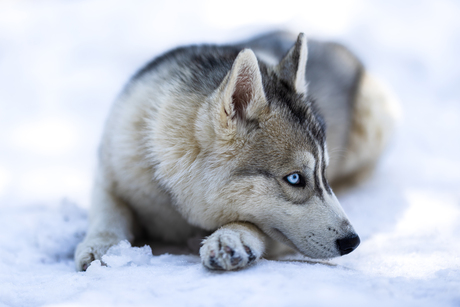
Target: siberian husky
230, 143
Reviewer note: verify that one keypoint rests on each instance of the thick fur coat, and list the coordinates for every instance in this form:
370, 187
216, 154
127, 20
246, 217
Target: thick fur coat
230, 142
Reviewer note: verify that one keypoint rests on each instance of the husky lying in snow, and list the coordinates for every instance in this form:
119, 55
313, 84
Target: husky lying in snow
231, 140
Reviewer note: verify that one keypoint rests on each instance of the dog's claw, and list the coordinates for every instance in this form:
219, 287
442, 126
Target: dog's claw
251, 256
214, 264
235, 260
230, 251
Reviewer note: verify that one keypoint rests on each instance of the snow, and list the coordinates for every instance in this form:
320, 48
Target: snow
62, 64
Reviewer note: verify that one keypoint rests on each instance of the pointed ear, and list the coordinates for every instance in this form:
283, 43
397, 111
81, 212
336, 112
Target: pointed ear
292, 67
241, 92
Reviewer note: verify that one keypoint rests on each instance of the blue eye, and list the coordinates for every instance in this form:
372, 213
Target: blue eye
295, 180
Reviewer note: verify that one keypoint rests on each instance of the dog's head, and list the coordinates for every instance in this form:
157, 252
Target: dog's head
275, 142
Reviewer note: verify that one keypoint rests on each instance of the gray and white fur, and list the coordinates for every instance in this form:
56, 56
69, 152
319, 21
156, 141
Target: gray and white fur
230, 142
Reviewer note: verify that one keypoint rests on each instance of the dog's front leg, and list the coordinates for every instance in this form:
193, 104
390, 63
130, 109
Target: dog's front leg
111, 221
233, 246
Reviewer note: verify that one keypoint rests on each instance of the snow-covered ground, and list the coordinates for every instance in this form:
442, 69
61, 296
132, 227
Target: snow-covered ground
63, 62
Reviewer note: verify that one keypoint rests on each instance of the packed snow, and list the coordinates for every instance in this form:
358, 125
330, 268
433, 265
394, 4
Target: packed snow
62, 63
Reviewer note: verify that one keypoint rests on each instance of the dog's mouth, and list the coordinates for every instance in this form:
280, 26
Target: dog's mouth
316, 251
280, 236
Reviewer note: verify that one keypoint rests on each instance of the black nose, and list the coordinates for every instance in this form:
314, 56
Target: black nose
348, 244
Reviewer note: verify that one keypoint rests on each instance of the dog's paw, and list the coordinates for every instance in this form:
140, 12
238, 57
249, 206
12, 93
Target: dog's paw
228, 249
90, 250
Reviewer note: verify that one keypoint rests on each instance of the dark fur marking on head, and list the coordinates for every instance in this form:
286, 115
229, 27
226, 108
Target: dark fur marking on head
281, 94
318, 189
302, 110
320, 123
323, 174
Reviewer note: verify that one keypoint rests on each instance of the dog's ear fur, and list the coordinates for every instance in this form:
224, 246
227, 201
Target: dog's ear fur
241, 92
292, 67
